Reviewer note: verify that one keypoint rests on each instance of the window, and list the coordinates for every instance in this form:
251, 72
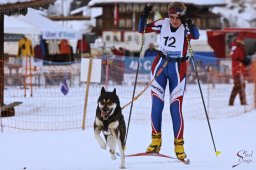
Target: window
136, 8
121, 23
163, 8
107, 38
128, 23
128, 8
203, 23
142, 7
121, 8
115, 38
156, 7
129, 38
214, 23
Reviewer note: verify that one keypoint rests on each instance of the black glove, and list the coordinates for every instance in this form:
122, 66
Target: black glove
147, 10
247, 61
186, 20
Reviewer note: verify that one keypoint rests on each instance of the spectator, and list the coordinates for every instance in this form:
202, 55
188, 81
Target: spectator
117, 67
151, 51
238, 70
83, 47
25, 47
118, 52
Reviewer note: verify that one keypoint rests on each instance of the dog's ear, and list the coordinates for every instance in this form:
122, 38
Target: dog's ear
102, 90
114, 91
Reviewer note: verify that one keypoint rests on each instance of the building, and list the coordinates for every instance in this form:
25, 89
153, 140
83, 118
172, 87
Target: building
127, 13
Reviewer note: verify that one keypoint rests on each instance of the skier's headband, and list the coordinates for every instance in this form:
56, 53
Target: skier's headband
178, 11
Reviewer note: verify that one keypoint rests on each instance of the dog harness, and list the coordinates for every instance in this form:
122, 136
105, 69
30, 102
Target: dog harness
111, 118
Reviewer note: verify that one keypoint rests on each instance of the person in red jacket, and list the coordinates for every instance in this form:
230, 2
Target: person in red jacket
238, 55
117, 67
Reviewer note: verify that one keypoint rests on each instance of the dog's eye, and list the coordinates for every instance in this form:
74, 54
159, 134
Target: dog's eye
109, 102
103, 102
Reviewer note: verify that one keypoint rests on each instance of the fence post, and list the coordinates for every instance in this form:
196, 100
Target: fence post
87, 91
253, 73
255, 93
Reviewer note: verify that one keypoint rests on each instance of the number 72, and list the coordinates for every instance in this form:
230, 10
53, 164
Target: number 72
170, 40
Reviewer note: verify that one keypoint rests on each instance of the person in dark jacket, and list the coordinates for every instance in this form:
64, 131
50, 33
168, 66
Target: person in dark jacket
151, 51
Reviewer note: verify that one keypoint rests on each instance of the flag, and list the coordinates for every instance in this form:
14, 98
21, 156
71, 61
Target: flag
64, 88
116, 15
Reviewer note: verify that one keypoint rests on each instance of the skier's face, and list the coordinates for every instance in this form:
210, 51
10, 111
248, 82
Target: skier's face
175, 20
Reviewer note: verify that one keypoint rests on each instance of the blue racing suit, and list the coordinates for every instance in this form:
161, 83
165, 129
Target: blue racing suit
174, 46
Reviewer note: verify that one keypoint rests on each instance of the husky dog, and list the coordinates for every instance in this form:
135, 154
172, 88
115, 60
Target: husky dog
110, 121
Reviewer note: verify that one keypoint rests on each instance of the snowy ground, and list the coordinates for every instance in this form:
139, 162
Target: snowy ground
78, 150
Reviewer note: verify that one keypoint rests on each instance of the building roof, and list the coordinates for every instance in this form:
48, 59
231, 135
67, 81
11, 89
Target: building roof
195, 2
70, 18
48, 28
14, 25
20, 6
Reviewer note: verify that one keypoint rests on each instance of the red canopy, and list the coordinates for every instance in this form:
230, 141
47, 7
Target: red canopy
217, 38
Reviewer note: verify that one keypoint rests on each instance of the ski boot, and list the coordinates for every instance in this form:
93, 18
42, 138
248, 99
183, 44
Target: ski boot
156, 143
179, 149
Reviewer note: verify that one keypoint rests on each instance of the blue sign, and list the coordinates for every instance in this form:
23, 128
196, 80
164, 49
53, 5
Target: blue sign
60, 35
131, 64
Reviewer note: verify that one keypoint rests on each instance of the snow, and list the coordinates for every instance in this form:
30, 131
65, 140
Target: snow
3, 2
239, 14
79, 150
198, 2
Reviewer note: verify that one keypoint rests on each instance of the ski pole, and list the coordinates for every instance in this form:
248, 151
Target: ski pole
136, 77
30, 76
25, 77
202, 97
134, 89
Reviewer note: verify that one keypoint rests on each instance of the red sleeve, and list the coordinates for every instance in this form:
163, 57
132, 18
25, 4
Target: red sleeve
155, 26
116, 52
242, 53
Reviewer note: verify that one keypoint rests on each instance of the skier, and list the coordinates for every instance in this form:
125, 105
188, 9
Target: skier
175, 32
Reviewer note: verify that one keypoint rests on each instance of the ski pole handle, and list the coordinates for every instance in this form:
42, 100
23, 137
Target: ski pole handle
143, 17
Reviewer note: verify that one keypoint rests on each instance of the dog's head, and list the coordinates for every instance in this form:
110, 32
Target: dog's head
107, 103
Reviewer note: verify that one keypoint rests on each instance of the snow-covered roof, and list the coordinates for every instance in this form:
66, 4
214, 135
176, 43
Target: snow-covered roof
14, 25
10, 7
87, 11
196, 2
78, 10
49, 28
237, 15
3, 2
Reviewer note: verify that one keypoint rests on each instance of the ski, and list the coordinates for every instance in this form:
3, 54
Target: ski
185, 161
150, 154
11, 105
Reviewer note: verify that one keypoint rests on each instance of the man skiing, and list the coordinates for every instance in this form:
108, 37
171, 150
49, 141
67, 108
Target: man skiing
175, 32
